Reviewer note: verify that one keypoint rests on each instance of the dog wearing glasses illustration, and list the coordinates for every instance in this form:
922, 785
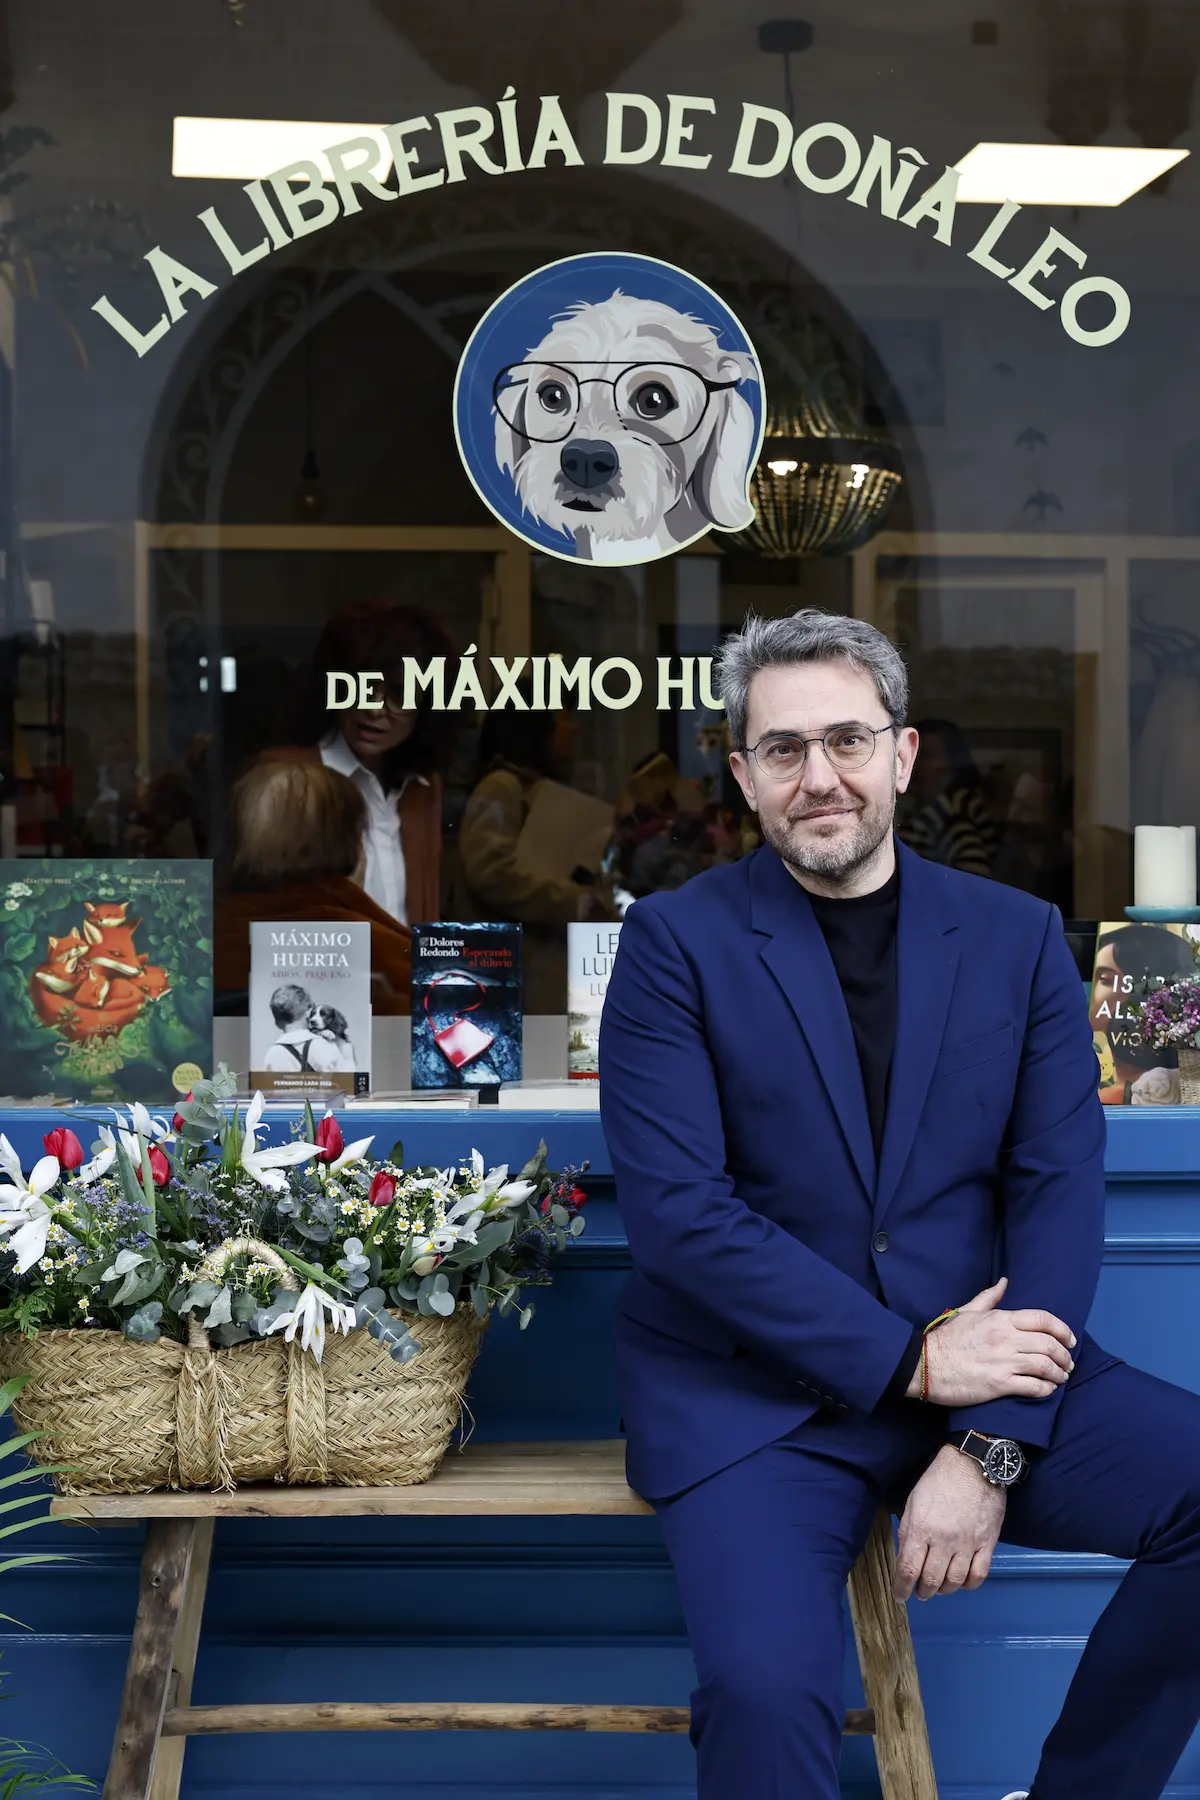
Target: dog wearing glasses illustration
624, 427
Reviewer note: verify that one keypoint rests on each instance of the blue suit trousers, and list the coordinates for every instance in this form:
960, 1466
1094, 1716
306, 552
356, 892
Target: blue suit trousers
762, 1550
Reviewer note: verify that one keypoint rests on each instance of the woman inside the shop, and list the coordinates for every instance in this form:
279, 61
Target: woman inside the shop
298, 850
395, 756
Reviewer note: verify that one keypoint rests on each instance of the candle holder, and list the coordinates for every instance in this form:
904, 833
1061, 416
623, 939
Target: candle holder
1163, 915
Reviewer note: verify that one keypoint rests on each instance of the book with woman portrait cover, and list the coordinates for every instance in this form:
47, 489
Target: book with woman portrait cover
466, 1005
105, 978
310, 1007
1132, 961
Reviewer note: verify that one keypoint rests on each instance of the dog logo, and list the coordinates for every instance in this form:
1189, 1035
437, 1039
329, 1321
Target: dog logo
610, 408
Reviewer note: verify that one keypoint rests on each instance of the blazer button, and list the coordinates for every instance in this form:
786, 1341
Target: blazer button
880, 1241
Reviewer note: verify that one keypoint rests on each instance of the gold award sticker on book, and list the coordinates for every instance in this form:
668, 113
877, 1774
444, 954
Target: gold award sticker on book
185, 1075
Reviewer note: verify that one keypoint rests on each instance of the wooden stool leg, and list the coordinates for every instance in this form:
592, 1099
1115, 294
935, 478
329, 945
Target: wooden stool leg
168, 1766
166, 1566
889, 1672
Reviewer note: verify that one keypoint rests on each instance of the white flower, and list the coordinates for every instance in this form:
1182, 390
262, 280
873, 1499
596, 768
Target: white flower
11, 905
264, 1165
19, 889
149, 1128
25, 1219
499, 1191
10, 1162
351, 1154
1155, 1087
103, 1160
308, 1315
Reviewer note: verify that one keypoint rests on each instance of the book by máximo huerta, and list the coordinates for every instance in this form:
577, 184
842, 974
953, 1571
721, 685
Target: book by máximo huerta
466, 1005
105, 978
310, 1006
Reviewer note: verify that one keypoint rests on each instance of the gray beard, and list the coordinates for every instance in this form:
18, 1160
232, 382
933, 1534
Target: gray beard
842, 858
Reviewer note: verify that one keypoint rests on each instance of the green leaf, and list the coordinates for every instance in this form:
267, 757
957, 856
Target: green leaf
535, 1167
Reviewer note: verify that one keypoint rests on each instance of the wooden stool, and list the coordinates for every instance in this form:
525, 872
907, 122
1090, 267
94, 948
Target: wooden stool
157, 1716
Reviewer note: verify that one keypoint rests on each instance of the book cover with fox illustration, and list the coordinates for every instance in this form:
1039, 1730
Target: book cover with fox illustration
105, 979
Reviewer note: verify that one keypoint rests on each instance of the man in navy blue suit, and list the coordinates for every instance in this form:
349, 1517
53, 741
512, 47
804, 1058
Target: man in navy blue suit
846, 1091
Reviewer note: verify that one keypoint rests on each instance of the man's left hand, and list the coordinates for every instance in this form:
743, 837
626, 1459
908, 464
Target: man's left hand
949, 1529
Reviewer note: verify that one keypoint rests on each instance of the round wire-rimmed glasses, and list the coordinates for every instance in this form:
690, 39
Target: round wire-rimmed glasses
663, 401
782, 754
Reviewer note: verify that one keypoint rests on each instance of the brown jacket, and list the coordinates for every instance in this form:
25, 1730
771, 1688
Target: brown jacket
332, 899
420, 834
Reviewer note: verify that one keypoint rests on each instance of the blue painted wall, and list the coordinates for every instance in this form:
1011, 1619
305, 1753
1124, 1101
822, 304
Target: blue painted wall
564, 1609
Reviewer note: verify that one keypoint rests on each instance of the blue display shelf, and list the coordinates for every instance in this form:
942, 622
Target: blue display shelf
570, 1609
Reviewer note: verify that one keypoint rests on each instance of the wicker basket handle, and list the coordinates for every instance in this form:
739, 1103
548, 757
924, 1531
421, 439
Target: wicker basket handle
201, 1423
217, 1264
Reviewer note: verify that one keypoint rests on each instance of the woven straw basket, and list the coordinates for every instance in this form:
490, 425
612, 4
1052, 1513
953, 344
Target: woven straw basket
1189, 1076
128, 1418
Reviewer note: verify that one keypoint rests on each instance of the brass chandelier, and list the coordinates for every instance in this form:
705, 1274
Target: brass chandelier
824, 479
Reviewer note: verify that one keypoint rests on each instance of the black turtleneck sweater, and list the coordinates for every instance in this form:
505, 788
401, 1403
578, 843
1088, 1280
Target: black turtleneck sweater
860, 935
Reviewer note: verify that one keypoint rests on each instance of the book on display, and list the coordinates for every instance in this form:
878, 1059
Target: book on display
310, 1007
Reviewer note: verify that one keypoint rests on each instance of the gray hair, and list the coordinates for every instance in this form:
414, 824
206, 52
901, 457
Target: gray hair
803, 637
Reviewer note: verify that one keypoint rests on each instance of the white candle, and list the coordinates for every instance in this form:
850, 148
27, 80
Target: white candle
1164, 865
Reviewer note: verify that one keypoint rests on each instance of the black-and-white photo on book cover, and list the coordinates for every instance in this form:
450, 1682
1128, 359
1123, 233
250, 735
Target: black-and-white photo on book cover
310, 1006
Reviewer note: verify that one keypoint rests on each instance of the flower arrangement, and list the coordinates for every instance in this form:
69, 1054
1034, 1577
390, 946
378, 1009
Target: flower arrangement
1170, 1016
137, 1237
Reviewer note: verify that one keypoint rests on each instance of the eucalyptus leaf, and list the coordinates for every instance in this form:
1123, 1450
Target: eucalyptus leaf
228, 1334
526, 1315
577, 1226
200, 1294
442, 1302
560, 1215
221, 1310
316, 1234
143, 1325
124, 1261
244, 1306
139, 1285
371, 1301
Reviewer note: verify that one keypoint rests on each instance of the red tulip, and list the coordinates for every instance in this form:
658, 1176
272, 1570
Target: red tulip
66, 1146
177, 1123
160, 1168
383, 1188
329, 1137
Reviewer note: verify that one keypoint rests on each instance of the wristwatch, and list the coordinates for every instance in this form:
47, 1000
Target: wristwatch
1002, 1459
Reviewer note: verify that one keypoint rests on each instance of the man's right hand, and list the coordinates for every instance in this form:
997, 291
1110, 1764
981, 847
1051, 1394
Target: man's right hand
986, 1354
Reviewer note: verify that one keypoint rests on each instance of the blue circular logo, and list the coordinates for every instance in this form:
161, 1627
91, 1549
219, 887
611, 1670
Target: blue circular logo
610, 408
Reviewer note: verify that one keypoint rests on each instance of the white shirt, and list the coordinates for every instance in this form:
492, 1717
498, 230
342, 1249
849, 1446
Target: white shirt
322, 1055
385, 877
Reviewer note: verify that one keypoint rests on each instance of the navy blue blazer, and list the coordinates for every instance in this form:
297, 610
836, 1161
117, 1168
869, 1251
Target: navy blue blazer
776, 1268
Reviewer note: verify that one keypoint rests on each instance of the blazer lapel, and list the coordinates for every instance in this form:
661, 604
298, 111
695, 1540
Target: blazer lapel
926, 965
796, 955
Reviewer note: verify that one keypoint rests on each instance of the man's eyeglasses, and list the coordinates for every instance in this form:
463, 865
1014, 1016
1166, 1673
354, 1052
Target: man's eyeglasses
663, 401
782, 754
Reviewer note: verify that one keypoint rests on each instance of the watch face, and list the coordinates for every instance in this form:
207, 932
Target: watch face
1004, 1462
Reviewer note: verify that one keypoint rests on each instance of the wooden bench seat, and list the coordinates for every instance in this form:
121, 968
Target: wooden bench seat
157, 1715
